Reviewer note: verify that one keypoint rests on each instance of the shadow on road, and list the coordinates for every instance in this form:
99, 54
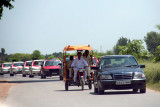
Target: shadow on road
32, 81
115, 93
71, 90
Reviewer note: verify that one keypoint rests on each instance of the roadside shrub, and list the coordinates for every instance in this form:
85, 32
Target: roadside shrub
152, 71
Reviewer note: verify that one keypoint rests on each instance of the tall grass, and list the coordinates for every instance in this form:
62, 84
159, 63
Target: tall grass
152, 72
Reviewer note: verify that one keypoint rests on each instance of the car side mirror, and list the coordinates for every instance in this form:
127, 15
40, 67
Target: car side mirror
94, 68
142, 66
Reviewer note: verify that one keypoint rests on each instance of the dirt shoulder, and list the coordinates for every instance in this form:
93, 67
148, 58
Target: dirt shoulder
4, 90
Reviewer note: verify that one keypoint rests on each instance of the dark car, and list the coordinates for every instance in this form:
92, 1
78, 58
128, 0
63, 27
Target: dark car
119, 72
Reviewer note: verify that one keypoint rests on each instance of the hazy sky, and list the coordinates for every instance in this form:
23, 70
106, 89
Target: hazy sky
50, 25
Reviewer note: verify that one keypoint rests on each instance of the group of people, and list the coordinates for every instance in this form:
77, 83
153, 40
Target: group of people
85, 62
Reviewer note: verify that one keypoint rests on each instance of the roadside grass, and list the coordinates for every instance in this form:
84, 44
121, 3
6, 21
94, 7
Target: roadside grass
152, 73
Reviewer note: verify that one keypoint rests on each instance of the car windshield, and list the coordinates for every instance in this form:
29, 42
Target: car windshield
28, 63
51, 63
7, 65
38, 63
18, 64
116, 62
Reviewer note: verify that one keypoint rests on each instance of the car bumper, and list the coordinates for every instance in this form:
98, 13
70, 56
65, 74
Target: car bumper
25, 72
111, 84
51, 72
35, 72
16, 72
4, 71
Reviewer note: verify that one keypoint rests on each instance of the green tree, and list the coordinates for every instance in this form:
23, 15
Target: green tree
122, 41
21, 57
2, 51
109, 52
135, 48
152, 41
36, 55
51, 57
5, 3
157, 57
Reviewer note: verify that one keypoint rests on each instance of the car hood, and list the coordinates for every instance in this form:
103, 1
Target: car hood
52, 67
121, 70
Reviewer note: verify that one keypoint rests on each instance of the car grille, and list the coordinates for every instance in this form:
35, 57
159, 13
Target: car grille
122, 76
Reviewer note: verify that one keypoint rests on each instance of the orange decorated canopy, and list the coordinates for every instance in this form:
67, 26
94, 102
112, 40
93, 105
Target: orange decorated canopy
77, 47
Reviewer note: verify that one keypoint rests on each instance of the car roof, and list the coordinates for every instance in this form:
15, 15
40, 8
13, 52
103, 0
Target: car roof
28, 61
18, 62
111, 56
38, 60
7, 63
53, 60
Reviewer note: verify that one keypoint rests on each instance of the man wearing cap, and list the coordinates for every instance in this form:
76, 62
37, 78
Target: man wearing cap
78, 63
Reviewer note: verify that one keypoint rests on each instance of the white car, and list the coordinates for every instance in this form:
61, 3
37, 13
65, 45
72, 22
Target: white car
16, 68
35, 68
26, 66
5, 68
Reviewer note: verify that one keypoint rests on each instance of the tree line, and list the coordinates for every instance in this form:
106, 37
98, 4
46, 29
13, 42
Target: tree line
124, 46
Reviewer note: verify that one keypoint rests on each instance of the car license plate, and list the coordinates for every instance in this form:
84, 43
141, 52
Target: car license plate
123, 82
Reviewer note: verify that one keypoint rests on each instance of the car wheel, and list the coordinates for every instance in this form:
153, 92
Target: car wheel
31, 76
11, 74
143, 90
23, 75
60, 77
135, 90
95, 89
66, 85
42, 77
90, 84
100, 91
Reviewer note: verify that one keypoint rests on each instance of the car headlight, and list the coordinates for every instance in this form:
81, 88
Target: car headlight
35, 68
14, 69
26, 68
107, 77
139, 75
46, 70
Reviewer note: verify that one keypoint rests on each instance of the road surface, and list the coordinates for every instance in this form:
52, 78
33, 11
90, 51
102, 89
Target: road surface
52, 94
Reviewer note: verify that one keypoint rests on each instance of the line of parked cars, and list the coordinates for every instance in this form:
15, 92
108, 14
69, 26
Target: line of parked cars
43, 68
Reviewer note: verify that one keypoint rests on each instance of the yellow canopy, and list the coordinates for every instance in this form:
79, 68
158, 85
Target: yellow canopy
78, 47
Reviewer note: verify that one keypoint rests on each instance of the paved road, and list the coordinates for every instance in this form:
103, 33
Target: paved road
52, 94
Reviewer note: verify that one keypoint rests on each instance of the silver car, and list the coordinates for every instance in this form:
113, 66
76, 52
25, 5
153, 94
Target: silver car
26, 66
35, 68
16, 68
5, 68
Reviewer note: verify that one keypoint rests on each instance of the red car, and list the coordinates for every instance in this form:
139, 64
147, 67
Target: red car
51, 67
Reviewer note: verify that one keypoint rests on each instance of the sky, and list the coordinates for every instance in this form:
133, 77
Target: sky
50, 25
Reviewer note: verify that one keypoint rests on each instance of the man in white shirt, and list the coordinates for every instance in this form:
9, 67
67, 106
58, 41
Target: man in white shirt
89, 60
77, 63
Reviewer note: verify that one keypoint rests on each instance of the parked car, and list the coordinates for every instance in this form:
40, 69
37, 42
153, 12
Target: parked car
119, 72
95, 61
52, 67
35, 68
26, 68
5, 68
16, 68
